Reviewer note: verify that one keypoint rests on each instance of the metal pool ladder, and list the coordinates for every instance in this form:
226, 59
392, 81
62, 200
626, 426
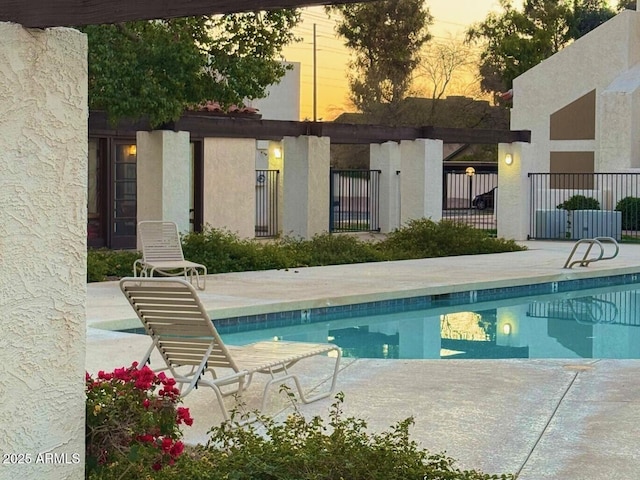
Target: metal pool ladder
591, 242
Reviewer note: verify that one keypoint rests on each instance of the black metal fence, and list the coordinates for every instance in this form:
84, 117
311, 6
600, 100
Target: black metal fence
354, 197
584, 205
470, 197
267, 203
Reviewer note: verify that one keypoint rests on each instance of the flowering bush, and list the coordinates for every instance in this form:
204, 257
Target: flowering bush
130, 427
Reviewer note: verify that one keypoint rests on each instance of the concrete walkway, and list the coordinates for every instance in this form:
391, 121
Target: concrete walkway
544, 419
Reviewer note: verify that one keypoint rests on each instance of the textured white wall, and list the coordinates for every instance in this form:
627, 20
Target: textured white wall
386, 158
283, 99
43, 208
164, 177
421, 180
618, 122
230, 185
592, 62
306, 186
512, 205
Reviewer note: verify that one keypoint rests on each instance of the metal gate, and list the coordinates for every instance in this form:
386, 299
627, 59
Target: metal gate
267, 203
469, 194
354, 200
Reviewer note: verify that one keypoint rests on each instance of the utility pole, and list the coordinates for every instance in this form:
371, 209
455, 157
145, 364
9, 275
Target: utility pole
315, 86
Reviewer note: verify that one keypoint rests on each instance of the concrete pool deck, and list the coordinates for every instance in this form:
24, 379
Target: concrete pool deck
544, 419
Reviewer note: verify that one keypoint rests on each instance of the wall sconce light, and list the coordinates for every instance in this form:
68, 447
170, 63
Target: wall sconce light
277, 152
506, 329
508, 159
133, 150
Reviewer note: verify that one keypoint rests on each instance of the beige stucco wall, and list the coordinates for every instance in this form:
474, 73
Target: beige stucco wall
512, 207
229, 185
282, 101
164, 177
619, 121
305, 186
386, 158
421, 180
592, 62
43, 208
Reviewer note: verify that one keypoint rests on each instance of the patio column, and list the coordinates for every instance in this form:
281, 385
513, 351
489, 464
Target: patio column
43, 231
512, 202
386, 158
164, 177
230, 185
305, 186
421, 180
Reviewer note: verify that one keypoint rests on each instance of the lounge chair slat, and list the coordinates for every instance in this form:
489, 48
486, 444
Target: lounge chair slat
180, 330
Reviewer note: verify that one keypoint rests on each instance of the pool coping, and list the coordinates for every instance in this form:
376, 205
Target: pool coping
344, 306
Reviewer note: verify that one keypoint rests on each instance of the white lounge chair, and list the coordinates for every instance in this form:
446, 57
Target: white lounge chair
194, 354
162, 253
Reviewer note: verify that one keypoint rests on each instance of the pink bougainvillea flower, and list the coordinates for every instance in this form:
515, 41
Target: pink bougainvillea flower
146, 438
184, 416
167, 444
176, 449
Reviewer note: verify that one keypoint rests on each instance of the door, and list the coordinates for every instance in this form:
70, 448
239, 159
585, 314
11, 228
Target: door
124, 195
96, 197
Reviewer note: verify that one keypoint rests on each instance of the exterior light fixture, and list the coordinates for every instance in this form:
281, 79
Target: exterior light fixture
277, 152
506, 329
133, 149
508, 159
470, 172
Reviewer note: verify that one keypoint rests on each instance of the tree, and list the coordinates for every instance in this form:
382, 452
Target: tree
626, 5
587, 15
157, 69
386, 37
517, 40
447, 67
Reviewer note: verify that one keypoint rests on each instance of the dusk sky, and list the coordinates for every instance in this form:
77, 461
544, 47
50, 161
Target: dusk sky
451, 19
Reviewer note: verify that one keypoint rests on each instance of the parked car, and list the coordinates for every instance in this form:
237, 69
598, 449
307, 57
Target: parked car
485, 200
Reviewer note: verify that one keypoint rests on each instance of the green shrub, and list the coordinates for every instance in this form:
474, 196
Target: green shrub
580, 202
630, 208
104, 264
329, 249
223, 251
425, 238
315, 449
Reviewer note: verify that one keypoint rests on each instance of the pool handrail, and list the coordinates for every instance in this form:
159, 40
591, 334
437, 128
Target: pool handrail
591, 242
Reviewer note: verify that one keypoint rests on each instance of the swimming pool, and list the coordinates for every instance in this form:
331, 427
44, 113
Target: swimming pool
601, 322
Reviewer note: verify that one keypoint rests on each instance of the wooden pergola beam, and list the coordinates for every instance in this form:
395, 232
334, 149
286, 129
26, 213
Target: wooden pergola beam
76, 13
203, 125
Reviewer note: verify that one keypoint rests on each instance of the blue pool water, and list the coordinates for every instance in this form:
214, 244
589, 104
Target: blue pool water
601, 322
